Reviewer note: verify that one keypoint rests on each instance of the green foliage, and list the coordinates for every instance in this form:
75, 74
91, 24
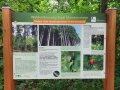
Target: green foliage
73, 6
117, 66
23, 39
97, 46
98, 62
28, 44
60, 84
1, 55
97, 42
66, 61
1, 72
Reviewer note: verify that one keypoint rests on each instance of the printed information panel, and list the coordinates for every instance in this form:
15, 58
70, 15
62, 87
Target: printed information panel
59, 46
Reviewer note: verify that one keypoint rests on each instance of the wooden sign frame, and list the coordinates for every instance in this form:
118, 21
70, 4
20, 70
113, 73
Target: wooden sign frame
9, 83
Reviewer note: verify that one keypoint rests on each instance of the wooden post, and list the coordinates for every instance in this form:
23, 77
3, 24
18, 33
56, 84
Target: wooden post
9, 83
110, 49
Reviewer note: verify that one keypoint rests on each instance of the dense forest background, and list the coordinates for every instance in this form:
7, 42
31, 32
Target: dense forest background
64, 6
58, 35
24, 38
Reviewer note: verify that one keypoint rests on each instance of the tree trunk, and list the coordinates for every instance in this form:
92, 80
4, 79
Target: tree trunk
64, 36
41, 37
53, 39
48, 39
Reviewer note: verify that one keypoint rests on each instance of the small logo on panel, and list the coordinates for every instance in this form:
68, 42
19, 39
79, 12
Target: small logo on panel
93, 19
56, 73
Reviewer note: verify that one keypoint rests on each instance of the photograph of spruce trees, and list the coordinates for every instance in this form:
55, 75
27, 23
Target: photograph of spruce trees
25, 38
70, 61
97, 42
93, 62
59, 35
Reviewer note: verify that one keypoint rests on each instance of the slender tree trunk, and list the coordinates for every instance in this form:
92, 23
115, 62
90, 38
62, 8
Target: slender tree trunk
65, 38
53, 38
41, 37
48, 39
65, 43
68, 38
60, 31
62, 34
26, 36
60, 38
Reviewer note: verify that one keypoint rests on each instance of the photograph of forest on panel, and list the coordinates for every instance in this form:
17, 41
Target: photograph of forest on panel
58, 35
97, 42
70, 61
93, 62
25, 38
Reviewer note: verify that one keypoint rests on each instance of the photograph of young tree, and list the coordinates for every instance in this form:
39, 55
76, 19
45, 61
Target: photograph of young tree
97, 42
70, 61
59, 35
25, 38
93, 62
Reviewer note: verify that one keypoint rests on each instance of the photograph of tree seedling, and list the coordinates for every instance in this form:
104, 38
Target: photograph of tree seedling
25, 38
70, 61
93, 62
97, 42
59, 35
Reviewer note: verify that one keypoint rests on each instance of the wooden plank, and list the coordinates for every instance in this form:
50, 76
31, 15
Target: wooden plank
9, 83
110, 49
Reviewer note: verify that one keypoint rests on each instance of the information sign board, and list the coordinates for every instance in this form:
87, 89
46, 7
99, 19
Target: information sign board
58, 46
